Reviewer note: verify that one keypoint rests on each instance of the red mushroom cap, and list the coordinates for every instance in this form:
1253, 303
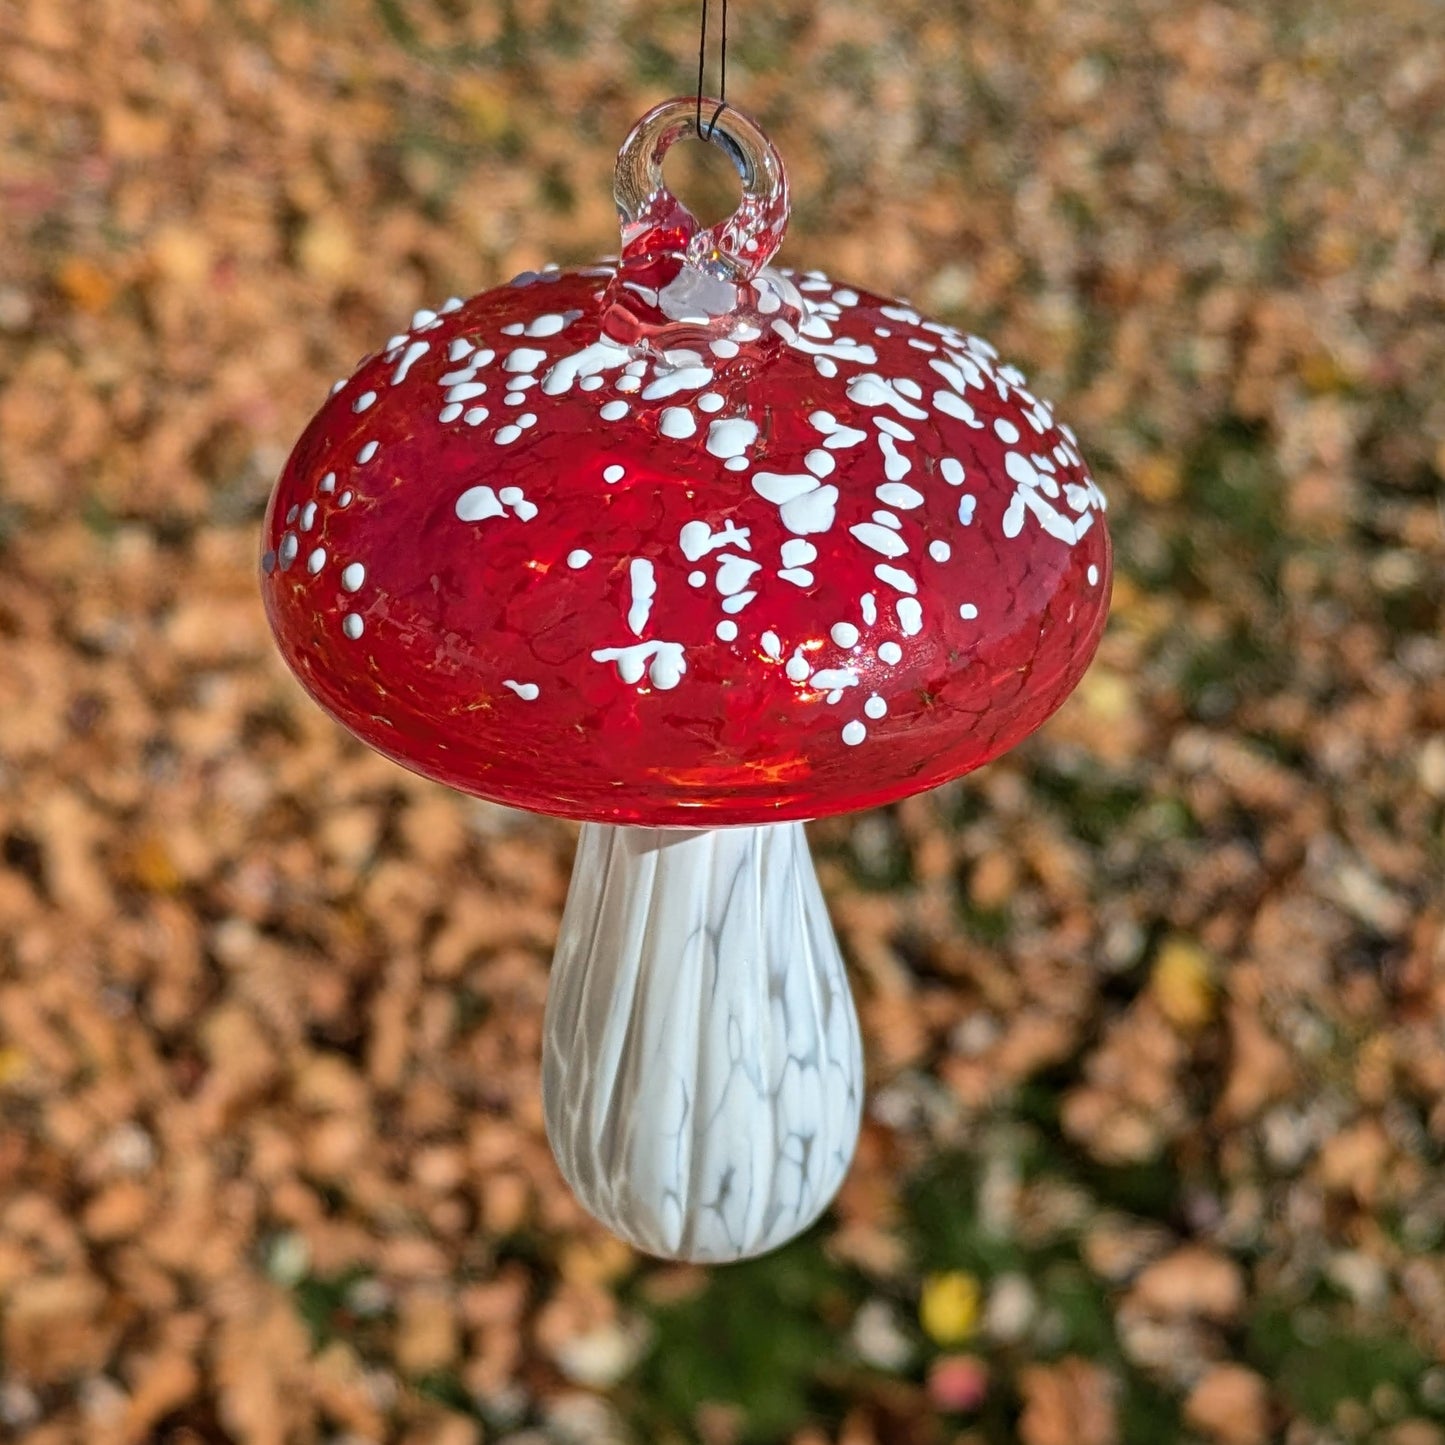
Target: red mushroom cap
696, 582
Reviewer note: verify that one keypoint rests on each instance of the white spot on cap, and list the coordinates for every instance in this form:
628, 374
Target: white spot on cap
890, 652
956, 406
870, 389
812, 512
844, 437
527, 691
879, 539
613, 410
727, 630
290, 546
899, 494
548, 325
895, 577
825, 366
476, 416
414, 353
328, 482
1013, 517
677, 422
952, 470
669, 383
734, 573
507, 435
352, 625
797, 667
476, 504
833, 679
966, 505
367, 452
697, 538
869, 604
910, 616
308, 516
731, 437
663, 662
940, 551
780, 488
726, 350
895, 464
697, 578
352, 576
450, 412
1005, 430
844, 634
589, 361
854, 733
819, 462
459, 348
796, 552
709, 402
1093, 575
772, 645
524, 358
968, 611
366, 400
875, 707
578, 557
644, 589
317, 560
736, 604
614, 473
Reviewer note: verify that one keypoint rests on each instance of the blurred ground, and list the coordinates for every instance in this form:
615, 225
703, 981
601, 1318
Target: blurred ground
1155, 1007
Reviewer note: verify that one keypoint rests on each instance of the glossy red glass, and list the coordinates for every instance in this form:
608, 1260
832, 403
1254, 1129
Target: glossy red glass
809, 554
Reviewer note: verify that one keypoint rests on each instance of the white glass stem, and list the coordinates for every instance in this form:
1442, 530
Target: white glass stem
702, 1074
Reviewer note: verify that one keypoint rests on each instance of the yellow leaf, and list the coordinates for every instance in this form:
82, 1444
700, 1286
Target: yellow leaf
949, 1306
85, 283
484, 104
1108, 694
152, 867
1157, 478
1182, 982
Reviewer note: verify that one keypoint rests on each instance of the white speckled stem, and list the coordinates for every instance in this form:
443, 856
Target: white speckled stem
702, 1074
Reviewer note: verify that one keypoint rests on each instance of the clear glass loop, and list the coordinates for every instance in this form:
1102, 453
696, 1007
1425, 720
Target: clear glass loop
653, 219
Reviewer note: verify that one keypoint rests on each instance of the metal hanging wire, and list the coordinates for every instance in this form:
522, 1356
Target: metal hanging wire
722, 92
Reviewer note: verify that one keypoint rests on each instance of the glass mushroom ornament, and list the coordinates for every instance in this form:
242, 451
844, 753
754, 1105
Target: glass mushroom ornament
690, 549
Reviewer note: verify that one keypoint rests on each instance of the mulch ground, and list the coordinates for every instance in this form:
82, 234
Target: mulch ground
1153, 1006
